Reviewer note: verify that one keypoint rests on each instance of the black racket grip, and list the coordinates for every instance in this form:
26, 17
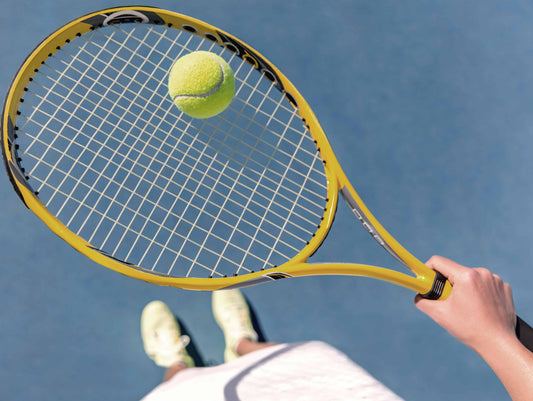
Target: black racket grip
437, 288
524, 332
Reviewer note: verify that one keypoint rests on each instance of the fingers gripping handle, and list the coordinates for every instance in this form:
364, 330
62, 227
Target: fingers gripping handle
524, 332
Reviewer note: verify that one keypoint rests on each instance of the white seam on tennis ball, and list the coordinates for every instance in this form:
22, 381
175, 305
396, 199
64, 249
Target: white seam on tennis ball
215, 89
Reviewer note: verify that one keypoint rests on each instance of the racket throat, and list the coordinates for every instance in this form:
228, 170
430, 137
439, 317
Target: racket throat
265, 278
357, 211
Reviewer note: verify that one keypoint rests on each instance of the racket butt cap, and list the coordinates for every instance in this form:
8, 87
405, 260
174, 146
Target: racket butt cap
438, 287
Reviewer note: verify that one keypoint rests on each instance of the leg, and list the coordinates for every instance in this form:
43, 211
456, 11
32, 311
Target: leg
245, 346
174, 369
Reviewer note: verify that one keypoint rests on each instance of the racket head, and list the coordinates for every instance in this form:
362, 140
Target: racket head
187, 34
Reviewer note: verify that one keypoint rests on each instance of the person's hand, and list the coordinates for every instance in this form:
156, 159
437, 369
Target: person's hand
480, 313
480, 308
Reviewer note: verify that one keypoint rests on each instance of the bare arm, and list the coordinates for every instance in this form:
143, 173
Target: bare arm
481, 314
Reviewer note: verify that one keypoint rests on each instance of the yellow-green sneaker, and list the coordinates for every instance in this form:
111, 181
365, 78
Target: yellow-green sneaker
233, 316
162, 338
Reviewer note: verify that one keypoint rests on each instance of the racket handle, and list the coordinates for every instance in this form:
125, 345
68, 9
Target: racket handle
438, 287
524, 332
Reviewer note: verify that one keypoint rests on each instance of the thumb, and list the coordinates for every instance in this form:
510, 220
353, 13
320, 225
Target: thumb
448, 268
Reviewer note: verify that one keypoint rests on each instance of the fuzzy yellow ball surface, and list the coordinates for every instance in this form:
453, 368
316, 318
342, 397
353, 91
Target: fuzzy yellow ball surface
201, 84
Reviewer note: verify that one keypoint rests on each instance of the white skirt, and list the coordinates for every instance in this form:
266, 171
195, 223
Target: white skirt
301, 371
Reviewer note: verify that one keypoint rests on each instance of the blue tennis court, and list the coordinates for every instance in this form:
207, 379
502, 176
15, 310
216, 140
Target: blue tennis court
427, 105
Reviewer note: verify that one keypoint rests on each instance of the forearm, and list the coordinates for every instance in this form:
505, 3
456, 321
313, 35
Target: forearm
480, 313
513, 364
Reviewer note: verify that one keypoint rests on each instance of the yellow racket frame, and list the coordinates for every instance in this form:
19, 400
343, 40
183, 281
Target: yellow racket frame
423, 279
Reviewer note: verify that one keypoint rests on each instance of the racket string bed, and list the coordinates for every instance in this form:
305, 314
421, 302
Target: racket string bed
122, 168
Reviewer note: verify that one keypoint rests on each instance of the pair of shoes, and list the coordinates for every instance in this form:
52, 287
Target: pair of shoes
162, 337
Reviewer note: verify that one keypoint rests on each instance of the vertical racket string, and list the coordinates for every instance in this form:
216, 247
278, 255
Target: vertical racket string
243, 83
271, 117
309, 170
216, 145
89, 168
267, 208
129, 133
194, 196
96, 155
245, 207
200, 211
154, 126
158, 151
208, 235
57, 107
97, 130
179, 195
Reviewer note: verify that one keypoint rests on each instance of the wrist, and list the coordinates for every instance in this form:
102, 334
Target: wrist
498, 348
513, 364
495, 344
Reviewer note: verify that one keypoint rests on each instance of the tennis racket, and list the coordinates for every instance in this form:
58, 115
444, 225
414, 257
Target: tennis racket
94, 146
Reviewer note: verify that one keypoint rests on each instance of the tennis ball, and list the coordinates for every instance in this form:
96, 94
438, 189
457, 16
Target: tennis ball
201, 84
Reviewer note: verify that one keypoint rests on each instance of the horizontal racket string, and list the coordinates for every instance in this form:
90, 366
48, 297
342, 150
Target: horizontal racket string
138, 176
287, 108
148, 124
147, 200
124, 205
163, 152
173, 214
101, 144
232, 166
244, 82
